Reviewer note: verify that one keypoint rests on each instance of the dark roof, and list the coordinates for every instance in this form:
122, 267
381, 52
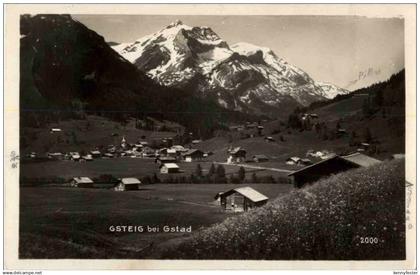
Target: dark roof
357, 159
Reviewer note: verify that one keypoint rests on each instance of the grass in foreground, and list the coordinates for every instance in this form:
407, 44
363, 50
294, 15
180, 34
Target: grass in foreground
325, 221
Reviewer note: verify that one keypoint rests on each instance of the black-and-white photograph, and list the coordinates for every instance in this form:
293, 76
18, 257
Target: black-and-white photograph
212, 137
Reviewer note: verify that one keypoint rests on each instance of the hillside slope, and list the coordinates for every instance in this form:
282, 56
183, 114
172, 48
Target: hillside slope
325, 221
68, 70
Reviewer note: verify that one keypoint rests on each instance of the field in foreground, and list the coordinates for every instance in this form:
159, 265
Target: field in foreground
74, 223
357, 215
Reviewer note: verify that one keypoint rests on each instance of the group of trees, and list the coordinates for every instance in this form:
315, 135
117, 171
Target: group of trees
216, 174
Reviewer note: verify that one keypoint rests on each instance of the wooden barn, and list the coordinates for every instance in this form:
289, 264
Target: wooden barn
81, 182
168, 168
126, 184
241, 199
193, 155
327, 167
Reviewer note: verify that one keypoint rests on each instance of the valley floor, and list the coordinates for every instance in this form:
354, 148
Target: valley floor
59, 222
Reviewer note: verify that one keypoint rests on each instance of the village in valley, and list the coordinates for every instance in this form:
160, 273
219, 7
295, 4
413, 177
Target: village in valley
162, 160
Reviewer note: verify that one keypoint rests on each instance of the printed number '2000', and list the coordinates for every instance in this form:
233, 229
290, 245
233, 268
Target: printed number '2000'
369, 240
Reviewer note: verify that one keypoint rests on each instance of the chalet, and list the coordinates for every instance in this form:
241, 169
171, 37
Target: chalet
129, 153
269, 139
293, 160
148, 152
168, 168
161, 160
341, 131
162, 151
179, 148
55, 130
128, 184
57, 155
196, 141
319, 154
171, 153
95, 153
251, 125
260, 158
81, 182
333, 165
138, 145
75, 156
193, 155
241, 199
87, 157
236, 155
111, 149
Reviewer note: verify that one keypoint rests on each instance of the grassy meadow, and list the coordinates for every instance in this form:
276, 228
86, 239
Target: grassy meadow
328, 220
58, 222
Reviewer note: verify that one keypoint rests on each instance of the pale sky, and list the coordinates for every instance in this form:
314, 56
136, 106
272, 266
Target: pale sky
331, 49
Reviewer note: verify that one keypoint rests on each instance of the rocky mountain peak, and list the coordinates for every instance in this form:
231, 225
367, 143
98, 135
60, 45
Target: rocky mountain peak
243, 77
175, 24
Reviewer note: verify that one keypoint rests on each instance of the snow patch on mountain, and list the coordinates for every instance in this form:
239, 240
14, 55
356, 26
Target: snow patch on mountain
237, 75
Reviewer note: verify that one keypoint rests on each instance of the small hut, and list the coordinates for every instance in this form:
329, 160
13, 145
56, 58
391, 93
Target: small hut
241, 199
168, 168
236, 155
193, 155
83, 182
128, 184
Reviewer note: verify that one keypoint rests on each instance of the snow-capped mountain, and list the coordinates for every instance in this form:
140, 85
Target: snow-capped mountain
370, 76
242, 77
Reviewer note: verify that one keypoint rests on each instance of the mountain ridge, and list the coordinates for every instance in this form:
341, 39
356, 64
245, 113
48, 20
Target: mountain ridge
241, 77
68, 71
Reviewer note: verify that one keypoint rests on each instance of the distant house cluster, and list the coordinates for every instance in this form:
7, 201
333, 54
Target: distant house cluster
163, 153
